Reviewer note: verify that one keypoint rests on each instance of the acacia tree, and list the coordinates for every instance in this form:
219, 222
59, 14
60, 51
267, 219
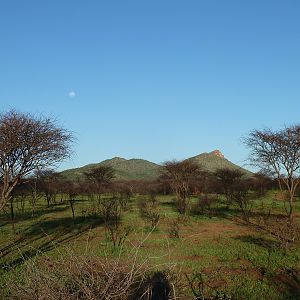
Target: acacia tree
101, 177
278, 153
48, 181
228, 179
28, 143
72, 189
261, 183
181, 175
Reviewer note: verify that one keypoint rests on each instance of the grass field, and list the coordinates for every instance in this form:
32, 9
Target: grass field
218, 252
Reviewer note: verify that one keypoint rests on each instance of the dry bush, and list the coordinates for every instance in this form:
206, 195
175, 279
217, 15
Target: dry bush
89, 278
91, 211
111, 209
149, 209
174, 228
285, 232
245, 202
204, 205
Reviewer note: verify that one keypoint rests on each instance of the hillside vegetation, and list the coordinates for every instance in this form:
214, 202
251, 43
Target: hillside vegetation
140, 169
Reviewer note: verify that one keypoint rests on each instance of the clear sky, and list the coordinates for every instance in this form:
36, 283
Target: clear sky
159, 79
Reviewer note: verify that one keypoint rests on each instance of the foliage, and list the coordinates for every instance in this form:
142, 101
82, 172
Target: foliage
140, 169
28, 143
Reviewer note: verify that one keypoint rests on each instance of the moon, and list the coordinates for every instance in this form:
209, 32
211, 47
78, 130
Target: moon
72, 94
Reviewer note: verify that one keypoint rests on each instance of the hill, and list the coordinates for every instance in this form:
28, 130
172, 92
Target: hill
140, 169
215, 160
126, 169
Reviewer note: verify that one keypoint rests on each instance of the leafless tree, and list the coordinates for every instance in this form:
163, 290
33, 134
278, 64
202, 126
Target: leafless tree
243, 197
181, 175
48, 184
228, 178
102, 177
20, 194
72, 190
27, 143
278, 152
111, 210
35, 193
262, 183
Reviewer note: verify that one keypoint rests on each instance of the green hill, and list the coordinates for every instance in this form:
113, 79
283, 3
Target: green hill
140, 169
215, 160
126, 169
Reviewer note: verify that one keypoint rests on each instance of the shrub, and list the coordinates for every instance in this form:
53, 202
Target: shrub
86, 278
149, 210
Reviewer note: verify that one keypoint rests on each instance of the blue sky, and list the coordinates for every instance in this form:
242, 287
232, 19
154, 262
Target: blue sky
152, 79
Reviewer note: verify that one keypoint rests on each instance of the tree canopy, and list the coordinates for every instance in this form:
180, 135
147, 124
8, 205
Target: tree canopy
28, 143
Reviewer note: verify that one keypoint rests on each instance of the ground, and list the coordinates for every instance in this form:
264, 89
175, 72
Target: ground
219, 253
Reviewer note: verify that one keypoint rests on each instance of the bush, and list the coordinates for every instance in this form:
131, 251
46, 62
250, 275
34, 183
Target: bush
111, 210
204, 205
149, 210
81, 277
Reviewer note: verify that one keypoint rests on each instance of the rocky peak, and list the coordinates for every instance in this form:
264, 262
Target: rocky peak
116, 158
217, 153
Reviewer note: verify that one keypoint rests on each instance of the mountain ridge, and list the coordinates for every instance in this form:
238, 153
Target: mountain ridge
141, 169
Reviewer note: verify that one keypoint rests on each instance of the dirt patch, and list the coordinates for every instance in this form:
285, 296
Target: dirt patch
197, 232
190, 258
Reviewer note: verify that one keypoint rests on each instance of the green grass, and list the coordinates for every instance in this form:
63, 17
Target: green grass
234, 259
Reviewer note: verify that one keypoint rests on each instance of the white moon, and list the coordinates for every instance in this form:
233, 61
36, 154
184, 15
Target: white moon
72, 94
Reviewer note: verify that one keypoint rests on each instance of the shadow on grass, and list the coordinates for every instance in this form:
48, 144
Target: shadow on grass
259, 241
288, 283
170, 203
29, 215
20, 216
3, 223
62, 225
222, 212
44, 236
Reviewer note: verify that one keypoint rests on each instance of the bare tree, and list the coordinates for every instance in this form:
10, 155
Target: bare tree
262, 182
278, 153
111, 210
20, 194
27, 143
102, 177
72, 189
48, 184
181, 175
36, 195
228, 178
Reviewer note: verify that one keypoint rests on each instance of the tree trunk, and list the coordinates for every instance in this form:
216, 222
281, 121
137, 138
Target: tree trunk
6, 192
290, 213
12, 216
72, 208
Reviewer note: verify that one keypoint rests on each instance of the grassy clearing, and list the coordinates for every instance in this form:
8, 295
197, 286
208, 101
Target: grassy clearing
233, 259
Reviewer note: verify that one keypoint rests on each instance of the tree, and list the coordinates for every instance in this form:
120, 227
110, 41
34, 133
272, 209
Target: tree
228, 178
102, 177
72, 189
261, 183
278, 153
181, 175
48, 182
28, 143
